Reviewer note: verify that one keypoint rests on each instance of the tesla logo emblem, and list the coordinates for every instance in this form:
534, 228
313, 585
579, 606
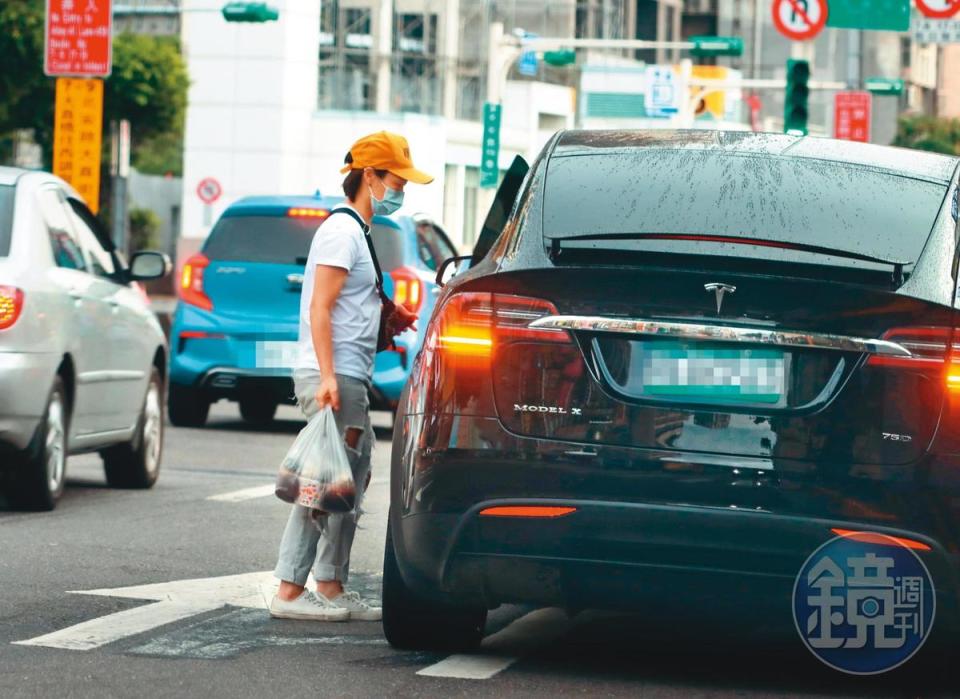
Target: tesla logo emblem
720, 290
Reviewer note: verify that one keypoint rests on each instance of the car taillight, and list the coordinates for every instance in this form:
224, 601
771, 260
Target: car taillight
929, 347
11, 304
407, 288
191, 282
472, 325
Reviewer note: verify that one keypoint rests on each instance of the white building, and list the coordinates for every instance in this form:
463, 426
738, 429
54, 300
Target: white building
254, 122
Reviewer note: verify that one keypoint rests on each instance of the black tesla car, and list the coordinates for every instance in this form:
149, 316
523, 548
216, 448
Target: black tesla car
678, 364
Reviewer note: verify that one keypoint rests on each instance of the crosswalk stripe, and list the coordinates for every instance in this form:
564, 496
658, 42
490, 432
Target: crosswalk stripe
259, 491
502, 649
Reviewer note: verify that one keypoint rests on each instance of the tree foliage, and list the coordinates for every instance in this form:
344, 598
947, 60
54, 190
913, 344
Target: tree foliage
929, 133
148, 85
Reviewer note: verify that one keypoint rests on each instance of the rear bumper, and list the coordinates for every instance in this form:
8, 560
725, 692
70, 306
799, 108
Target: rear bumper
651, 527
634, 557
25, 380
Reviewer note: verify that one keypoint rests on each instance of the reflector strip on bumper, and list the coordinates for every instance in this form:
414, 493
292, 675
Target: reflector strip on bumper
527, 511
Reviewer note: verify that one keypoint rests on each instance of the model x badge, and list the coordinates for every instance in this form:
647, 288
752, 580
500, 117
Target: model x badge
719, 290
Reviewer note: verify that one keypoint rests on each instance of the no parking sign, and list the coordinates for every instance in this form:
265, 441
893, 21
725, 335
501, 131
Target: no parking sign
800, 20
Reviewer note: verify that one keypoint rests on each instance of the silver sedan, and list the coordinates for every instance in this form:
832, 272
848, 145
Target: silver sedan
83, 360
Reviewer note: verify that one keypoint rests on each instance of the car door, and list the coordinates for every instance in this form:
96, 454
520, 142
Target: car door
112, 384
78, 312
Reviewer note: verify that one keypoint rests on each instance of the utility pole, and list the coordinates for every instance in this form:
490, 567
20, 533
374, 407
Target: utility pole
119, 172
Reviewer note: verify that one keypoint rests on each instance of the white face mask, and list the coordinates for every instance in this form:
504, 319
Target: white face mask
391, 202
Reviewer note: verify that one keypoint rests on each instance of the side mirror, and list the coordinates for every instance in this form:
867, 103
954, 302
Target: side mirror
448, 266
149, 265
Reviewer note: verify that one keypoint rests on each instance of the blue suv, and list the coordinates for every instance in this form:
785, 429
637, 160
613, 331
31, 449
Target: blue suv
235, 328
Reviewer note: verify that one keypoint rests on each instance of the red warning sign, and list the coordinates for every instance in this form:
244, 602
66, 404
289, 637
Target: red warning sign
851, 116
938, 9
800, 20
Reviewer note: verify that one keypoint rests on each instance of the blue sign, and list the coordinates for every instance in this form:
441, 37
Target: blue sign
864, 603
663, 91
528, 63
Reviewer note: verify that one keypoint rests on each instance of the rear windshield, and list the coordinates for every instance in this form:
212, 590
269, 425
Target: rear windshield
6, 218
285, 240
842, 207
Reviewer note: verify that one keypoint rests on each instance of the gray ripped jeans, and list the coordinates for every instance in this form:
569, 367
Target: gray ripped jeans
327, 547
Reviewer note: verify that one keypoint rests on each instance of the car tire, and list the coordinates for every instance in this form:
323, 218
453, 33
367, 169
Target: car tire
412, 623
257, 410
42, 476
136, 464
187, 407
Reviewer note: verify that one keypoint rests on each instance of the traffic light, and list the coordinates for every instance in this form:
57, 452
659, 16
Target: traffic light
249, 12
795, 109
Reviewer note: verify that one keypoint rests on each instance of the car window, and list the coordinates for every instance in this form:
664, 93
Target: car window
7, 193
834, 205
67, 251
272, 239
101, 263
388, 242
431, 246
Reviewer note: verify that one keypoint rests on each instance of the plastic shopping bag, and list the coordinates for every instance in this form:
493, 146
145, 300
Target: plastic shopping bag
316, 472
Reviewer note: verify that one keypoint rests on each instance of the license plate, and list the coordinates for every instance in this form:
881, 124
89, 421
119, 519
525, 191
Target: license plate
714, 374
276, 354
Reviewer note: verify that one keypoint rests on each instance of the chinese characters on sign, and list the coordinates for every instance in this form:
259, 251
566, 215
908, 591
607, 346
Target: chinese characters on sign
851, 116
78, 38
489, 162
78, 128
864, 606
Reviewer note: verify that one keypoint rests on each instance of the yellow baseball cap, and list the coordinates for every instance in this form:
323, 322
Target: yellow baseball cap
385, 151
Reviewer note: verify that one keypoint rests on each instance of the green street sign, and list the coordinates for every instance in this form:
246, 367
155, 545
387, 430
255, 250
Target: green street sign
564, 57
884, 86
489, 162
888, 15
795, 102
249, 12
716, 46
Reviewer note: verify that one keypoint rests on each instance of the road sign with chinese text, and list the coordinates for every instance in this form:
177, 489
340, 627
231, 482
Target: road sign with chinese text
851, 116
885, 15
78, 38
799, 19
489, 162
936, 31
77, 133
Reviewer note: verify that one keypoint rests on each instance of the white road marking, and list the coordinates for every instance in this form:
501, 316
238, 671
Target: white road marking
502, 649
259, 491
107, 629
174, 600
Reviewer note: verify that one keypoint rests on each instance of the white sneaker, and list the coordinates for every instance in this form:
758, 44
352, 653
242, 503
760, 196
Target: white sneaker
308, 606
356, 607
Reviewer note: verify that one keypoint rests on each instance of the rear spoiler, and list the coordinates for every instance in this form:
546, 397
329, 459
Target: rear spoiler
556, 246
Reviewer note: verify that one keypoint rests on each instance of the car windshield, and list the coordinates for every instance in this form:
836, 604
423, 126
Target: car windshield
6, 218
794, 201
285, 240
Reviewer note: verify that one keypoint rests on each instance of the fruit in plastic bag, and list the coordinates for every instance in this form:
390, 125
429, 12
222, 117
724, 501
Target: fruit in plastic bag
316, 471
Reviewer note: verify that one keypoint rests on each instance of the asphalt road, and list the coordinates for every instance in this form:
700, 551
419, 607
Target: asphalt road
194, 621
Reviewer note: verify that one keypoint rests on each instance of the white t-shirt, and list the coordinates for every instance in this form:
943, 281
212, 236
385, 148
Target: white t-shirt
339, 242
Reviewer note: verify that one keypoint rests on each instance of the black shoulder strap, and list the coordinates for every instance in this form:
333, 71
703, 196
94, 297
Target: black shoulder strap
373, 253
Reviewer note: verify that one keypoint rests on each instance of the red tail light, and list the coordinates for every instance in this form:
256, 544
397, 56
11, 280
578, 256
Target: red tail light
407, 288
191, 282
11, 304
930, 347
472, 324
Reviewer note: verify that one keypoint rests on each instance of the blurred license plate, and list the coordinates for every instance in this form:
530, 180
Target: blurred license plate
276, 354
714, 374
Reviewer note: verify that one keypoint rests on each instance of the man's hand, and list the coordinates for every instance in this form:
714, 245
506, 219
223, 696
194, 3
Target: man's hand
328, 393
402, 319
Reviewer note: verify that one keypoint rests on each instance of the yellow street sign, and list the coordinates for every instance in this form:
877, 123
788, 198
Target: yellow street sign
77, 135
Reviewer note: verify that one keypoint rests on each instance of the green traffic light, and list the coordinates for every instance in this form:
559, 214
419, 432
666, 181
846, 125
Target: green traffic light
249, 12
796, 111
716, 46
